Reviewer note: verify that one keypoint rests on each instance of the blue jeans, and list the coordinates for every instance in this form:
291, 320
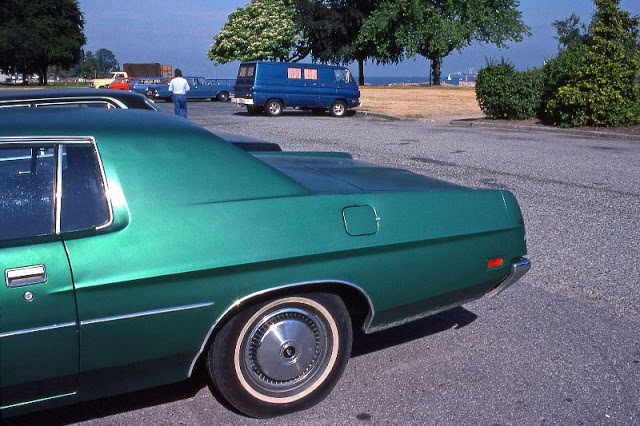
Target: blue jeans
180, 105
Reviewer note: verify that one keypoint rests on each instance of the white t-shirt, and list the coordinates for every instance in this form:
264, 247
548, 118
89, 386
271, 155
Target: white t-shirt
179, 86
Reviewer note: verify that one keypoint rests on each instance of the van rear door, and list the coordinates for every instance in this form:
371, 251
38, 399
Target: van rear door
244, 81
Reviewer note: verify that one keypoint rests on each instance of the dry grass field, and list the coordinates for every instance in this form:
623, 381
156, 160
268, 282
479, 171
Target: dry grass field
434, 103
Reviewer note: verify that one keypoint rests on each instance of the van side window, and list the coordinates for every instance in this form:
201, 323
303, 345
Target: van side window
310, 73
294, 73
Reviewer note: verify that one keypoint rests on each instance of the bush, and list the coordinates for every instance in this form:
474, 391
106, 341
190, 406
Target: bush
556, 73
603, 91
503, 92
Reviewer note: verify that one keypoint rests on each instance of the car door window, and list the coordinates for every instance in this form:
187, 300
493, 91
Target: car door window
28, 176
27, 191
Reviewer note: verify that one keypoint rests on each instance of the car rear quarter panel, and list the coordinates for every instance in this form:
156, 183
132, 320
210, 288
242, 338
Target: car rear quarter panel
203, 225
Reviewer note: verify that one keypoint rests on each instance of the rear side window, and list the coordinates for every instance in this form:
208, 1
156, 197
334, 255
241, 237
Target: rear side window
27, 191
246, 70
84, 204
294, 73
310, 73
29, 183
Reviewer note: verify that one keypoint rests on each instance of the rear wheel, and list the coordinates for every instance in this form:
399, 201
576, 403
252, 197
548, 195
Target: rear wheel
338, 109
273, 107
282, 355
223, 96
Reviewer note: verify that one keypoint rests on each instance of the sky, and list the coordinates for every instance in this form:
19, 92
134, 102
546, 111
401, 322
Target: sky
179, 33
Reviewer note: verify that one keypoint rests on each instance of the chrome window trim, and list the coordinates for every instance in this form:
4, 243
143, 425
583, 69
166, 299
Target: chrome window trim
36, 329
107, 102
147, 313
365, 327
15, 105
58, 195
59, 141
64, 100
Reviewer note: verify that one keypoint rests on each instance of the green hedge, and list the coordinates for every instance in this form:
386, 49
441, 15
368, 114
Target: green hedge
504, 93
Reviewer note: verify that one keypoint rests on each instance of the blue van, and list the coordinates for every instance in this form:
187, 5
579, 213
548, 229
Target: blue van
273, 86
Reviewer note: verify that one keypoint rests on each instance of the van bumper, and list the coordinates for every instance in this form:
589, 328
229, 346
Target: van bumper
242, 101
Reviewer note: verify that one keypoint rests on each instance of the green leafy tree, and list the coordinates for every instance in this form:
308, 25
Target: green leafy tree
105, 62
38, 33
89, 66
331, 29
571, 31
263, 30
435, 28
604, 91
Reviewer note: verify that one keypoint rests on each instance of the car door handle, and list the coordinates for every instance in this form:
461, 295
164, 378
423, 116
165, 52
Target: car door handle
26, 275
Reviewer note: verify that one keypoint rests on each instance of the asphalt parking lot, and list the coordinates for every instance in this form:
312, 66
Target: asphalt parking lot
561, 346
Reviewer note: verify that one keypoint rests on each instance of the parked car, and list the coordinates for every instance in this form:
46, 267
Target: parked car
136, 246
141, 84
223, 86
273, 86
101, 83
81, 98
121, 83
109, 99
199, 89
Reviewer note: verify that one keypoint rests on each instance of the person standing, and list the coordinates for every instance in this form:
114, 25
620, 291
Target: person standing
179, 87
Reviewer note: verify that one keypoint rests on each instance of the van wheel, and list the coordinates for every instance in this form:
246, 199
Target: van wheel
338, 109
223, 96
273, 107
282, 355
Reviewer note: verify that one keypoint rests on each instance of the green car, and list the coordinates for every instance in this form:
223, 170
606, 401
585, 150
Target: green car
136, 246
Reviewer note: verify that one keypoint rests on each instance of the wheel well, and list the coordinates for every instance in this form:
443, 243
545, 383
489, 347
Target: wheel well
355, 299
275, 99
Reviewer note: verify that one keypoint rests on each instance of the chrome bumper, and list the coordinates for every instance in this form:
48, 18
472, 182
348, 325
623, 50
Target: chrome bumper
242, 101
518, 269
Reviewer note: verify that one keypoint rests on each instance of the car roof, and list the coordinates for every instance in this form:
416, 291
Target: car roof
90, 122
294, 64
130, 99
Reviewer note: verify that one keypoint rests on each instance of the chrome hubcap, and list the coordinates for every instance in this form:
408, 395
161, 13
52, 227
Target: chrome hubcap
274, 108
285, 349
338, 109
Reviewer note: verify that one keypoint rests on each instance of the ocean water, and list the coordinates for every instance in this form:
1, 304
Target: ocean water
386, 81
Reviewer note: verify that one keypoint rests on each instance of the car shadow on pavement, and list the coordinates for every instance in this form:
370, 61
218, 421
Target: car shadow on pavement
453, 318
362, 344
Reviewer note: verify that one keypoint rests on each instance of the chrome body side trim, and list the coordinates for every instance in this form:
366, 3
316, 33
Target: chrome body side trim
305, 284
36, 329
147, 313
517, 271
35, 401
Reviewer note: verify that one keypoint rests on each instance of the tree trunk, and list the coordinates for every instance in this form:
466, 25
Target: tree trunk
435, 70
43, 76
360, 72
